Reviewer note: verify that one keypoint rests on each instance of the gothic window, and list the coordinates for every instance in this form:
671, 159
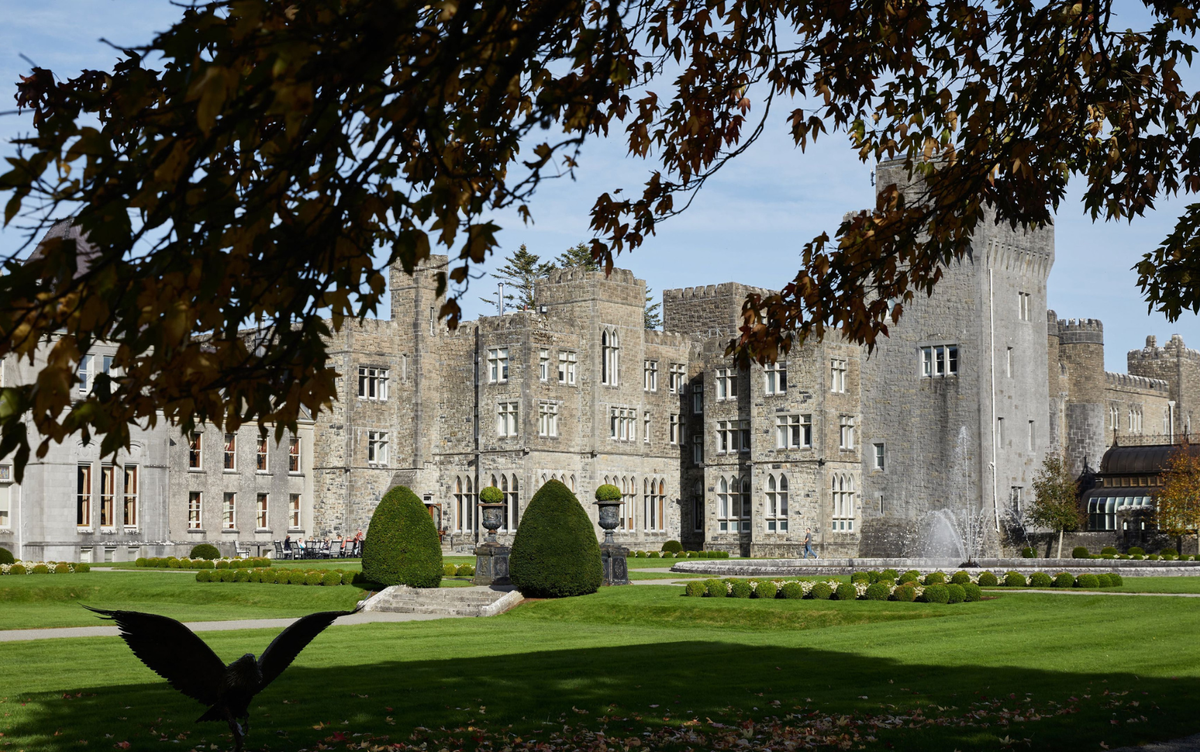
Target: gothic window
464, 505
939, 361
776, 377
610, 357
793, 431
843, 503
777, 503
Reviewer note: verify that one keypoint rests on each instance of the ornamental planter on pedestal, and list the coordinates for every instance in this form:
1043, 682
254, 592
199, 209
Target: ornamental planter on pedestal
491, 558
612, 556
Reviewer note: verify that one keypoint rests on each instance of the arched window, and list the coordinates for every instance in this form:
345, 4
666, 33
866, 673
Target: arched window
610, 356
662, 503
744, 508
514, 503
647, 504
843, 503
459, 517
572, 484
503, 492
777, 501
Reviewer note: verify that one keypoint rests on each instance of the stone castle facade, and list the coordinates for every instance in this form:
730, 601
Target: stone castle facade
945, 423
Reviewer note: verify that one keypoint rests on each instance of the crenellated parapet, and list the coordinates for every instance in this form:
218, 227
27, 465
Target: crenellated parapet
1129, 383
1080, 331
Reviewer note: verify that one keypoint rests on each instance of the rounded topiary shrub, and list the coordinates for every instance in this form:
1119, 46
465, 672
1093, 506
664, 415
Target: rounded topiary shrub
955, 593
62, 568
861, 577
905, 593
331, 578
402, 546
765, 589
1040, 579
141, 561
222, 564
972, 592
204, 551
889, 574
988, 579
936, 594
908, 577
1087, 581
1064, 579
465, 570
204, 576
555, 553
821, 591
449, 570
740, 589
242, 575
960, 578
693, 554
792, 591
1079, 552
1103, 580
1115, 579
877, 591
1136, 551
608, 492
845, 592
1014, 579
1028, 553
935, 578
673, 546
17, 569
639, 554
313, 578
1137, 557
6, 556
1108, 550
82, 567
652, 555
694, 589
715, 589
1164, 552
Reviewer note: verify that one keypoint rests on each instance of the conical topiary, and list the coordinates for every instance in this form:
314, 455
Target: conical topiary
402, 547
555, 553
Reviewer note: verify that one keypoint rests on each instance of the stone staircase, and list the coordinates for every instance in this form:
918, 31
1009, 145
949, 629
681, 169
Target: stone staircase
453, 601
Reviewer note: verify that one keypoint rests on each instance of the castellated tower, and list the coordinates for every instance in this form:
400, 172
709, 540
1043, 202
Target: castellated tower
1179, 366
1080, 360
954, 399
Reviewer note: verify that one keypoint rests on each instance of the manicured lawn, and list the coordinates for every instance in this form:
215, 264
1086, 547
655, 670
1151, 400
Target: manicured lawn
1014, 672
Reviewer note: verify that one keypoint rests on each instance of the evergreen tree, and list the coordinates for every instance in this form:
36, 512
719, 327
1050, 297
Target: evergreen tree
578, 256
1178, 503
653, 316
521, 269
1055, 501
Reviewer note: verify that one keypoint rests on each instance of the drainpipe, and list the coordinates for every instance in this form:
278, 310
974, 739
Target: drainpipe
1171, 418
992, 335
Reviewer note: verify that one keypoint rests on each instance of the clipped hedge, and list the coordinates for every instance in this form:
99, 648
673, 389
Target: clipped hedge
402, 545
936, 593
279, 575
821, 591
673, 546
955, 593
935, 578
1028, 553
960, 578
1064, 580
878, 592
1080, 552
905, 593
1087, 581
555, 553
204, 551
765, 589
740, 589
987, 579
694, 589
715, 589
972, 592
6, 556
845, 592
1040, 579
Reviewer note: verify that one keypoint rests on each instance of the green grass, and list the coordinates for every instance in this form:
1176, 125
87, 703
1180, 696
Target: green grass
1141, 585
634, 659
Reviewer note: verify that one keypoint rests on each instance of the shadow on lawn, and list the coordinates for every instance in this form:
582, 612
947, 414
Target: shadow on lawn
539, 692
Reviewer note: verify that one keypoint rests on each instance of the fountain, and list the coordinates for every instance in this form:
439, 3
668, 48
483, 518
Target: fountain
955, 533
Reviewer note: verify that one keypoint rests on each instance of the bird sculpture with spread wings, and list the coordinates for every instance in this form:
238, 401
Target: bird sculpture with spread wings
175, 653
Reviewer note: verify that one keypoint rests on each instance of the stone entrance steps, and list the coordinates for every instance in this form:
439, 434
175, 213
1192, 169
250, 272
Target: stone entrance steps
455, 601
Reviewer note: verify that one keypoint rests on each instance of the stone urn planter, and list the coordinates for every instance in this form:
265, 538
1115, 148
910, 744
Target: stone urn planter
491, 558
612, 556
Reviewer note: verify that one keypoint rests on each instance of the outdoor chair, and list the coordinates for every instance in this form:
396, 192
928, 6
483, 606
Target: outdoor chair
341, 551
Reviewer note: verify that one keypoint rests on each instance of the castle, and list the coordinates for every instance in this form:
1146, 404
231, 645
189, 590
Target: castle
951, 415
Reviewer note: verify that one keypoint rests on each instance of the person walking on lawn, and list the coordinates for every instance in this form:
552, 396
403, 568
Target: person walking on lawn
808, 544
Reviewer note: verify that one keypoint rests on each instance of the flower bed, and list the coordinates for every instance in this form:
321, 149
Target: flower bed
881, 589
171, 562
44, 567
279, 576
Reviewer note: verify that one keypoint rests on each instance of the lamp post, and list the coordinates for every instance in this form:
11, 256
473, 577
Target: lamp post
612, 556
491, 557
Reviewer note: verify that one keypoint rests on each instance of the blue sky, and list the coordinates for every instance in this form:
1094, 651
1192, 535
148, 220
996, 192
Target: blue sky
748, 225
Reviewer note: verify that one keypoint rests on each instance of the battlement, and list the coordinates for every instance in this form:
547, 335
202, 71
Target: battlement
667, 339
1175, 349
725, 289
1127, 381
1080, 331
579, 274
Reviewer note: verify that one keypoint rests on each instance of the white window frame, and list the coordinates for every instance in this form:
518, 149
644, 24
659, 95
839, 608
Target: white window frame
262, 455
879, 456
108, 497
507, 412
776, 508
677, 379
775, 377
497, 365
646, 427
622, 424
793, 431
373, 383
675, 426
295, 456
262, 506
846, 424
548, 419
567, 360
195, 510
939, 361
698, 448
130, 511
837, 375
84, 499
6, 488
229, 511
650, 376
295, 511
610, 357
543, 365
377, 448
196, 451
229, 453
842, 490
